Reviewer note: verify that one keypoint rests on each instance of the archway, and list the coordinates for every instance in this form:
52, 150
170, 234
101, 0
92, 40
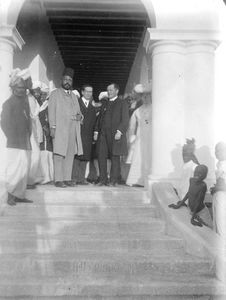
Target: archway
99, 40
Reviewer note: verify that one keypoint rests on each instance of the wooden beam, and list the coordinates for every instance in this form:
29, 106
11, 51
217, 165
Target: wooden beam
96, 7
92, 22
97, 26
95, 52
99, 38
117, 17
103, 44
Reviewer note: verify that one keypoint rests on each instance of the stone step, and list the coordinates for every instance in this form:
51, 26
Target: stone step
131, 297
159, 288
153, 246
95, 265
67, 211
55, 225
48, 234
94, 197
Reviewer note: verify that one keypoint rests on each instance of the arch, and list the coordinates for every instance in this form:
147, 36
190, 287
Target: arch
9, 11
162, 13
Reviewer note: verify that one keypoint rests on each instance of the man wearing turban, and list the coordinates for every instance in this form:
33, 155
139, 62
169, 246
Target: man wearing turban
64, 119
34, 176
16, 125
46, 147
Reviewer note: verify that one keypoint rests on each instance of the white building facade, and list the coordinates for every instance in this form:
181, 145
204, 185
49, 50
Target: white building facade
183, 54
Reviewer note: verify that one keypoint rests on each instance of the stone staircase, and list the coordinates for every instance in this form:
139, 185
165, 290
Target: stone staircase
96, 243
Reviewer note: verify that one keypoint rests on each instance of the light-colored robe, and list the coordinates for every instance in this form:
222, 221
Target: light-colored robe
219, 203
139, 135
36, 138
62, 109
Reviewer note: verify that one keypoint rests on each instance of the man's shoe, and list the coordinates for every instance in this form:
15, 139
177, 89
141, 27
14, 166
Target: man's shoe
23, 200
113, 184
93, 181
69, 183
83, 182
102, 184
60, 184
122, 182
11, 202
31, 186
137, 185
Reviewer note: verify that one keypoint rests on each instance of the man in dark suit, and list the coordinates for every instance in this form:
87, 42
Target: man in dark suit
110, 134
87, 128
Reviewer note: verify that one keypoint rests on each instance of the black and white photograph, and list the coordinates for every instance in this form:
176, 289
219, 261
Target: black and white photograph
113, 150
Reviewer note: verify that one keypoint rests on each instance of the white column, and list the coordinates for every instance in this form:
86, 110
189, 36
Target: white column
182, 96
9, 41
168, 61
199, 104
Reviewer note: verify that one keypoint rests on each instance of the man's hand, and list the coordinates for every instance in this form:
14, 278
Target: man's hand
79, 117
52, 132
95, 136
118, 135
178, 205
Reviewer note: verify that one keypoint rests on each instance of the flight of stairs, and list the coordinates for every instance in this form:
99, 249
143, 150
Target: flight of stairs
96, 243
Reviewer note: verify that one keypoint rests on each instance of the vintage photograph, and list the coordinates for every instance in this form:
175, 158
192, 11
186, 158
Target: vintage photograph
112, 150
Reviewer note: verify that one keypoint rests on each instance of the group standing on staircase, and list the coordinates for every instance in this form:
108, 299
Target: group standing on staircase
59, 137
65, 139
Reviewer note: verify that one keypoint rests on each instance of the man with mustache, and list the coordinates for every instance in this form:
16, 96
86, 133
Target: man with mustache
16, 125
64, 119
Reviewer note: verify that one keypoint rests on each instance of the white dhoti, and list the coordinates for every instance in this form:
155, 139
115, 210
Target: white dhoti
46, 166
17, 171
34, 175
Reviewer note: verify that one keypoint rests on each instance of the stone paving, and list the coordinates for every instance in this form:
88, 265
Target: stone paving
89, 242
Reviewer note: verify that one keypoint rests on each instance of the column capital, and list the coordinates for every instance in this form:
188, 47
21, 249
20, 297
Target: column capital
184, 37
10, 35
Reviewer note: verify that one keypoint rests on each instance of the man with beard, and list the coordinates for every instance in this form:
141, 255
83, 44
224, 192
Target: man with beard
17, 127
64, 119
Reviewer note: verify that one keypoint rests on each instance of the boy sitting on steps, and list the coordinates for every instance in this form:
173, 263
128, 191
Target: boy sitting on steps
195, 196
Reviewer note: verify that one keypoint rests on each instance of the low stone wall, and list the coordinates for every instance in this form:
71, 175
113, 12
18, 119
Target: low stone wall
199, 241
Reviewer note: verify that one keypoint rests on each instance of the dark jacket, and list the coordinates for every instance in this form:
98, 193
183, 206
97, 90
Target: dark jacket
16, 122
87, 129
119, 120
47, 143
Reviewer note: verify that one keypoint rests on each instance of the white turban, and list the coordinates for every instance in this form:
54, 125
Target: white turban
44, 88
24, 74
76, 93
36, 85
103, 95
140, 88
18, 74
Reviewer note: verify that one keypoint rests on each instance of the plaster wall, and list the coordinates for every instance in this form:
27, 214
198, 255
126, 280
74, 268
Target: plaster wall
40, 53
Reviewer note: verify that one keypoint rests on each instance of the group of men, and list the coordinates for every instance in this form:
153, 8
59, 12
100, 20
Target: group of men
74, 127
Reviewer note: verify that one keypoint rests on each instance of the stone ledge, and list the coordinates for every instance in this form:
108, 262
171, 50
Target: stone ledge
199, 241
